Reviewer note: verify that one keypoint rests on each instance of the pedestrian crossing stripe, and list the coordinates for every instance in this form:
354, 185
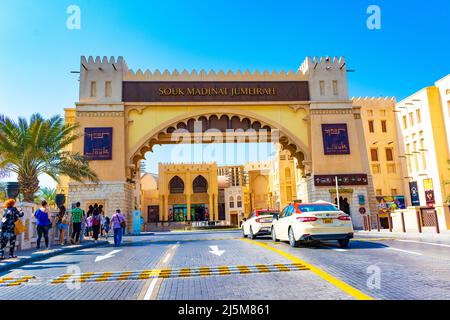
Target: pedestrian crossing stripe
14, 281
178, 273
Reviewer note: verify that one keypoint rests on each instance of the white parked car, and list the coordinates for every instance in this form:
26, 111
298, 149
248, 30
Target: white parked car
302, 222
259, 223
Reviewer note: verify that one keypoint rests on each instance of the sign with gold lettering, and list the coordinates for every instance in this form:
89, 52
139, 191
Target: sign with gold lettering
335, 139
359, 179
98, 143
210, 91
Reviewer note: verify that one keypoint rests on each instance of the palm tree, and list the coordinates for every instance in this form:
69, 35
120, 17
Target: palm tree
39, 146
47, 194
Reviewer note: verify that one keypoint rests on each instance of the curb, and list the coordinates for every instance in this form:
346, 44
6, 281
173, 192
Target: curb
42, 256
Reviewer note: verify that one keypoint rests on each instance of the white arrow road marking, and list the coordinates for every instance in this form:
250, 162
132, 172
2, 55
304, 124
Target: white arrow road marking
107, 256
215, 250
405, 251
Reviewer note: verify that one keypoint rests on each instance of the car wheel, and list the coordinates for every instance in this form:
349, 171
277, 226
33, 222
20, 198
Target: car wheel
243, 233
274, 236
292, 241
251, 235
343, 243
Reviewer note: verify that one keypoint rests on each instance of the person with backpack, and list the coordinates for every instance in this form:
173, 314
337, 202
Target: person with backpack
118, 224
10, 215
77, 217
62, 222
96, 222
43, 224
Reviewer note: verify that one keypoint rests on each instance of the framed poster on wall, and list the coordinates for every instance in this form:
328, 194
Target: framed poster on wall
335, 139
98, 143
429, 192
414, 192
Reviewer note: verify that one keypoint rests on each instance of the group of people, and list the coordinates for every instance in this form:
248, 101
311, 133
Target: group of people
91, 224
95, 222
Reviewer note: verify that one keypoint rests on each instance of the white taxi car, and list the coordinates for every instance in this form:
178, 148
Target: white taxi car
302, 222
258, 223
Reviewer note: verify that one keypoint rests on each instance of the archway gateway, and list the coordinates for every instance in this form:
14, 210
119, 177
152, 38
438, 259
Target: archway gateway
122, 114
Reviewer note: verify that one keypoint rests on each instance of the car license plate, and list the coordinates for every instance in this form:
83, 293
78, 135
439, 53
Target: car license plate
327, 220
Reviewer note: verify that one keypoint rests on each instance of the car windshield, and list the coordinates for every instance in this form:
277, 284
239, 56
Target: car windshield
317, 207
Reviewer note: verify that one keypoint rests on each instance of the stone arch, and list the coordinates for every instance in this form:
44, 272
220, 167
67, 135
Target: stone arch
235, 119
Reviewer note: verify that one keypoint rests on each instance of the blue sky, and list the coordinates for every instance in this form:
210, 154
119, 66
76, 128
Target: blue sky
38, 52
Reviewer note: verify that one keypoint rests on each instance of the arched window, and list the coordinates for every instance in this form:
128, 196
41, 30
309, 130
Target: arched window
176, 185
231, 202
239, 202
200, 185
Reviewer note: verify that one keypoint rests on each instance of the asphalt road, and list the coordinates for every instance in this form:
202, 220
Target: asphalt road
222, 265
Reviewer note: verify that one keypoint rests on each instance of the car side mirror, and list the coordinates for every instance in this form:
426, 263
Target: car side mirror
275, 216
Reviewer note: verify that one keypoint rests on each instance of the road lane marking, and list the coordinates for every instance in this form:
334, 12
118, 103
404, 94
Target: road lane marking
368, 239
150, 289
404, 251
327, 277
166, 258
430, 243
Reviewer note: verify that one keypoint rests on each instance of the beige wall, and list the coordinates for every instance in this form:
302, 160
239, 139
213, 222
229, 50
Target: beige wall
114, 170
387, 175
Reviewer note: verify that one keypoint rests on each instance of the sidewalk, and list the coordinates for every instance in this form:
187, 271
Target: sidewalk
443, 237
32, 255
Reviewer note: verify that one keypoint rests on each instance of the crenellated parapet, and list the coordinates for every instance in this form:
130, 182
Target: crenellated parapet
101, 78
212, 75
322, 63
105, 62
373, 102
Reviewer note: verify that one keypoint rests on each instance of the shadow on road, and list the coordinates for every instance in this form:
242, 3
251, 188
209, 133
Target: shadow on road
355, 244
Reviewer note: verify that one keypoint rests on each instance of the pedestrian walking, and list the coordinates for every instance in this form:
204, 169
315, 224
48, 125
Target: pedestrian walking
106, 227
118, 223
77, 218
96, 223
7, 234
83, 227
43, 224
89, 226
62, 223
